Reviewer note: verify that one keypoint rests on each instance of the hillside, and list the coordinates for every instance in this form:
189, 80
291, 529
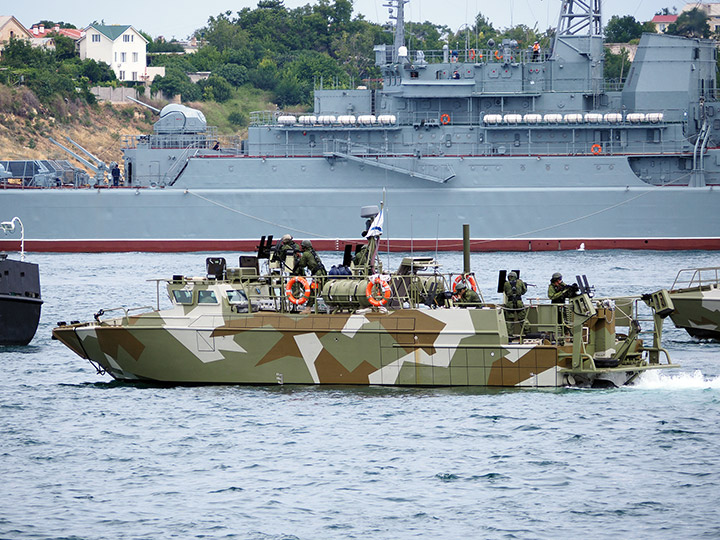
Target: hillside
26, 124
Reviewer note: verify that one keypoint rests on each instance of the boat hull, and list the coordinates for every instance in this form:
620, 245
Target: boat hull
20, 302
697, 310
405, 348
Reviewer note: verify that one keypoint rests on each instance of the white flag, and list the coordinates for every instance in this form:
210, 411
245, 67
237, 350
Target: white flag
376, 225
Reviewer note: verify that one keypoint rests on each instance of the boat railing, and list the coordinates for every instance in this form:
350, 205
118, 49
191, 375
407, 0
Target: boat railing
688, 278
126, 313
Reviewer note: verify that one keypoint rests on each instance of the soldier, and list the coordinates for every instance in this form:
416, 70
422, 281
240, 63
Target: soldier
514, 289
559, 291
308, 258
284, 245
466, 297
535, 51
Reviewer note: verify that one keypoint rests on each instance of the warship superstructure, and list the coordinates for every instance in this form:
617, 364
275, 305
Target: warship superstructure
535, 151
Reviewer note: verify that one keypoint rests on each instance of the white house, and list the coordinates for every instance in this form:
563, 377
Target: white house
121, 47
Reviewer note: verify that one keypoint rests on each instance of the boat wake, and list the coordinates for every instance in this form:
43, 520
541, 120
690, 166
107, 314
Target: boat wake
652, 380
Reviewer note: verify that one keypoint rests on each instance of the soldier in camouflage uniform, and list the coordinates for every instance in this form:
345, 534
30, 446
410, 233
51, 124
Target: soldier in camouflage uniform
307, 257
559, 291
284, 245
513, 290
466, 297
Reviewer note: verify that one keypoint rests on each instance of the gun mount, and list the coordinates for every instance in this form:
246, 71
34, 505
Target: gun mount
98, 167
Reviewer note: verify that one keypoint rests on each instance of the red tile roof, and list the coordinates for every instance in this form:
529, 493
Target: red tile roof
664, 18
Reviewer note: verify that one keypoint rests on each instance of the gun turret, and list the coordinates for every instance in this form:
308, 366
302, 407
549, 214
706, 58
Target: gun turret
153, 109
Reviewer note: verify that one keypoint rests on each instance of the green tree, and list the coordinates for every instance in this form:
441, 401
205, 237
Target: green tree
692, 23
19, 54
622, 29
173, 83
215, 88
96, 72
289, 91
617, 66
234, 74
64, 48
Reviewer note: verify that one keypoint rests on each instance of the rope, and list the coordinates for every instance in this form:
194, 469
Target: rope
653, 189
250, 216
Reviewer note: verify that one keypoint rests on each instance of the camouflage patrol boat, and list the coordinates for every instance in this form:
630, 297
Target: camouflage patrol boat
695, 294
243, 326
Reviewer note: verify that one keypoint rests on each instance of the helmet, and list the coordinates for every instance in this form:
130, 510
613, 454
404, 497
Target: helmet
286, 238
306, 244
460, 286
556, 276
512, 275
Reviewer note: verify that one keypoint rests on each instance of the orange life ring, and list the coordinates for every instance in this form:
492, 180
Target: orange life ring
498, 56
470, 280
384, 289
596, 149
472, 54
445, 118
289, 290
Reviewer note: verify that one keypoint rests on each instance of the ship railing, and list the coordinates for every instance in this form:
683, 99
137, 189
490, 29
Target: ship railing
689, 278
476, 55
452, 146
205, 139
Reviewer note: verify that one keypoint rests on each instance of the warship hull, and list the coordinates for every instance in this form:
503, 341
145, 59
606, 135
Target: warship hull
530, 203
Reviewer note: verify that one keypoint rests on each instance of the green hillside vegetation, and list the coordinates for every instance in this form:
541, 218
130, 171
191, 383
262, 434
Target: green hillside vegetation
267, 54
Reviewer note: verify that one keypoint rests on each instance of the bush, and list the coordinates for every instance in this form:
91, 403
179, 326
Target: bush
237, 118
234, 74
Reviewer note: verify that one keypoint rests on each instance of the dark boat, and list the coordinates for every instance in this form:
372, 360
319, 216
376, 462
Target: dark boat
20, 300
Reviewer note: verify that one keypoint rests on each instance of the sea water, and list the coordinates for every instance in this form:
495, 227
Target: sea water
83, 457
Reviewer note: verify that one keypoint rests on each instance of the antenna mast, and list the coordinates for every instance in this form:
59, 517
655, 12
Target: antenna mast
399, 17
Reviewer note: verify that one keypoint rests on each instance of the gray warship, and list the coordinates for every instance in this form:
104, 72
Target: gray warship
535, 152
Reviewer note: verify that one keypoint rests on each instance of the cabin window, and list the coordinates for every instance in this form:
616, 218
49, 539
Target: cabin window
183, 297
207, 297
414, 74
236, 297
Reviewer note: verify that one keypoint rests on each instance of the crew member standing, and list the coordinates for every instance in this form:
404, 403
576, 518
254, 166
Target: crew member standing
308, 258
514, 289
536, 51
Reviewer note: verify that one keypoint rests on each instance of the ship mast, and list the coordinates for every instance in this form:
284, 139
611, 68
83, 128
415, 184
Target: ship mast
399, 17
579, 17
